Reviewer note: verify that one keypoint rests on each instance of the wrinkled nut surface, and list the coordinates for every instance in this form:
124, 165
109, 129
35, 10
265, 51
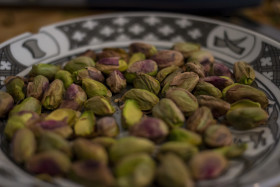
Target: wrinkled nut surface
186, 80
147, 49
243, 73
79, 63
15, 87
107, 126
100, 106
219, 69
65, 77
147, 82
163, 73
184, 135
95, 88
53, 96
37, 87
196, 68
217, 136
116, 81
205, 88
165, 58
107, 65
186, 48
6, 103
219, 81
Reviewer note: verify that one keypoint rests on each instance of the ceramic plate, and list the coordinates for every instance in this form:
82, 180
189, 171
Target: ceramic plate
57, 43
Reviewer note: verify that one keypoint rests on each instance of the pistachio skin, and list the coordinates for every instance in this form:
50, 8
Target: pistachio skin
201, 56
146, 100
116, 51
217, 136
53, 96
131, 113
23, 145
37, 88
205, 88
47, 70
147, 49
186, 80
167, 110
136, 57
232, 151
79, 63
207, 165
135, 170
29, 104
173, 172
104, 141
219, 82
243, 73
196, 68
66, 115
95, 88
130, 145
163, 73
107, 126
15, 87
89, 72
165, 58
100, 106
85, 125
53, 163
107, 65
6, 103
151, 128
186, 48
184, 135
146, 82
116, 81
59, 127
65, 77
221, 70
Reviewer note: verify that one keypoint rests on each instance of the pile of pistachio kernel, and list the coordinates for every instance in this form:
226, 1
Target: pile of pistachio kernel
60, 119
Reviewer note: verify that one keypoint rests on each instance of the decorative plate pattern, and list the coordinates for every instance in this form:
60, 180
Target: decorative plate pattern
58, 43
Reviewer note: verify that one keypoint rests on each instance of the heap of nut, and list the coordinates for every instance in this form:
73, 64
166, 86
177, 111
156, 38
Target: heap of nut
177, 107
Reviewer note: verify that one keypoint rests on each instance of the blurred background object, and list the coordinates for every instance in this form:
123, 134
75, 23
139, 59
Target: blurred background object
19, 16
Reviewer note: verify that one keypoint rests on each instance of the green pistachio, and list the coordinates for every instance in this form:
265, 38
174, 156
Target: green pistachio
64, 114
59, 127
116, 81
217, 136
100, 106
85, 125
196, 68
15, 87
200, 56
232, 151
205, 88
186, 48
186, 80
136, 57
47, 70
243, 73
37, 88
107, 126
95, 88
53, 96
131, 113
79, 63
184, 135
147, 49
114, 52
65, 77
165, 58
167, 110
107, 65
145, 99
28, 104
146, 82
163, 73
6, 103
105, 142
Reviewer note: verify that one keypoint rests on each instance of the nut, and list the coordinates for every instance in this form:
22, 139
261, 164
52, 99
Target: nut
95, 88
217, 136
165, 58
243, 73
37, 88
107, 126
147, 49
184, 135
100, 106
186, 48
205, 88
15, 87
47, 70
219, 81
131, 113
85, 125
146, 82
116, 81
78, 63
6, 103
107, 65
65, 77
29, 104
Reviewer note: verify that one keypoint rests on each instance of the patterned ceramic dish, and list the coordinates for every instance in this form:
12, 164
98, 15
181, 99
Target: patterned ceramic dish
58, 43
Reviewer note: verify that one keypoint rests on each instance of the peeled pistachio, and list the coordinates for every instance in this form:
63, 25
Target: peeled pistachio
244, 103
163, 73
151, 128
65, 77
37, 88
89, 53
219, 81
85, 125
114, 52
53, 163
100, 106
243, 73
165, 58
200, 56
218, 106
116, 81
244, 118
6, 103
145, 48
130, 145
47, 70
184, 150
53, 96
186, 48
64, 114
51, 141
79, 63
173, 172
219, 69
167, 110
107, 126
146, 82
145, 66
23, 145
232, 151
135, 170
136, 57
105, 142
186, 80
91, 173
89, 72
171, 76
28, 104
20, 120
94, 88
184, 135
131, 113
237, 92
86, 150
207, 165
59, 127
185, 101
205, 88
200, 120
107, 65
217, 136
15, 87
196, 68
145, 99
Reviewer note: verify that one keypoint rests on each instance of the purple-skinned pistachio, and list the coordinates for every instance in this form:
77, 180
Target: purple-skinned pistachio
196, 68
136, 57
65, 77
113, 52
207, 67
107, 126
91, 172
29, 104
165, 58
6, 103
116, 81
89, 53
218, 135
95, 88
186, 48
152, 128
207, 165
145, 66
74, 98
220, 69
219, 81
37, 87
186, 80
89, 72
145, 48
23, 145
53, 96
59, 127
78, 63
47, 70
53, 163
107, 65
15, 87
